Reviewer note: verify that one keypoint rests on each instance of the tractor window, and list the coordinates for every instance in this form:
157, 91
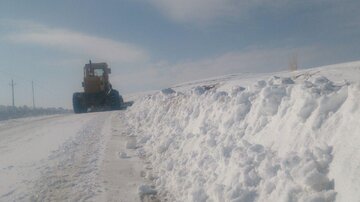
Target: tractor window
98, 72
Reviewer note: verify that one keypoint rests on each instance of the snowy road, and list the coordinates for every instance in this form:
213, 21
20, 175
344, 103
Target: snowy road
68, 158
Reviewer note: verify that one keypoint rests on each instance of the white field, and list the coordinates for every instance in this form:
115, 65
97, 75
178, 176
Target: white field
288, 136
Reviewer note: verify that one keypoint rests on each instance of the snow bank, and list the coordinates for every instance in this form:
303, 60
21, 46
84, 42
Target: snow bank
278, 139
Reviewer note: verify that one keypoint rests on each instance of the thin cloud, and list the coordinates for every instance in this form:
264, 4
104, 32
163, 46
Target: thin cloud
252, 60
75, 42
208, 11
203, 11
193, 10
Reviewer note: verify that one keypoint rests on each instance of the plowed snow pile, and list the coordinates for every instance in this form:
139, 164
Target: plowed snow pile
290, 137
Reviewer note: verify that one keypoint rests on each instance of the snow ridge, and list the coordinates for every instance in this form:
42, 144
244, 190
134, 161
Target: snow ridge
270, 141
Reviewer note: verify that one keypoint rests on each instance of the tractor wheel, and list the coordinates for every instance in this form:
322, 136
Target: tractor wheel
78, 104
115, 100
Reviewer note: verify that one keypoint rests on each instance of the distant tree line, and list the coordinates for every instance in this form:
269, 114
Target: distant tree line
10, 112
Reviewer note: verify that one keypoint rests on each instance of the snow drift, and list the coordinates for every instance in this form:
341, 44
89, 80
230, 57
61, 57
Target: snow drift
291, 137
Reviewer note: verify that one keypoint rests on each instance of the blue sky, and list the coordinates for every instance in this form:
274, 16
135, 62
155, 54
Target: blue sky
152, 44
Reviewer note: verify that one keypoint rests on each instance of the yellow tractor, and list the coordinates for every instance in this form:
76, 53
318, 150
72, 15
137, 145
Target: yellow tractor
98, 93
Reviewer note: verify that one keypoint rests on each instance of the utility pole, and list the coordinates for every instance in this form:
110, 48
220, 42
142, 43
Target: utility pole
33, 94
293, 62
12, 90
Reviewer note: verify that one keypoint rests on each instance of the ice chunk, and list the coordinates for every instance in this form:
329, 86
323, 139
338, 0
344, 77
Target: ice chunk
220, 96
131, 144
275, 80
236, 89
260, 84
123, 155
199, 90
146, 190
168, 91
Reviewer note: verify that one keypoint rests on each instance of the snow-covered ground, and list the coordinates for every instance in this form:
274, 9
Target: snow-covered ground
287, 136
68, 158
10, 112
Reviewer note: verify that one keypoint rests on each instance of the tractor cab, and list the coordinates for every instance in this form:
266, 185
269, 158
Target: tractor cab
96, 77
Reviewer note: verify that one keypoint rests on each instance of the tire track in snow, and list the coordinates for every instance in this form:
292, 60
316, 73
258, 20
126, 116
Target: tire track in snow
123, 168
71, 172
25, 145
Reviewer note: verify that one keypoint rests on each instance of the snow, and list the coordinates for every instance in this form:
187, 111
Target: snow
67, 158
146, 190
123, 155
167, 91
284, 137
10, 112
131, 144
35, 154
